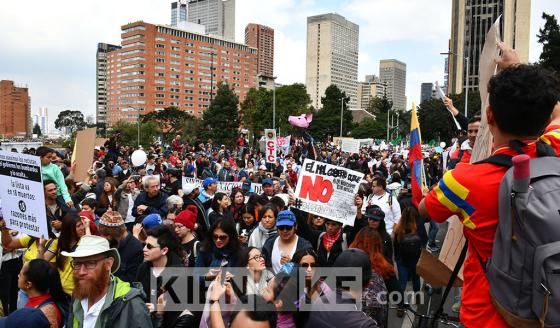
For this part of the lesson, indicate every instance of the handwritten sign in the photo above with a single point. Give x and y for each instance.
(351, 146)
(23, 198)
(328, 191)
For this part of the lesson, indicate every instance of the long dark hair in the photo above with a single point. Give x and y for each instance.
(228, 227)
(45, 279)
(243, 258)
(68, 238)
(215, 205)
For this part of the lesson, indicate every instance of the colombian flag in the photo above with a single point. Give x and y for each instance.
(415, 161)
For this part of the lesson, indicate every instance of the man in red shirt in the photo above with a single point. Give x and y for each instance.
(524, 103)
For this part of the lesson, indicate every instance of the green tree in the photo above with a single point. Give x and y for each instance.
(221, 119)
(549, 37)
(37, 130)
(70, 121)
(369, 128)
(170, 121)
(326, 122)
(291, 100)
(129, 132)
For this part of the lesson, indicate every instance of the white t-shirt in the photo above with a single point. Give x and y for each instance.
(276, 255)
(392, 213)
(91, 315)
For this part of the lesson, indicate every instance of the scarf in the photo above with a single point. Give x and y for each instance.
(260, 235)
(329, 241)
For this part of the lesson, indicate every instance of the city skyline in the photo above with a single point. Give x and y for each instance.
(58, 48)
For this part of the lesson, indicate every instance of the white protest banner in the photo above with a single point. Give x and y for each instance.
(328, 191)
(257, 188)
(351, 146)
(284, 144)
(23, 202)
(225, 187)
(270, 145)
(441, 96)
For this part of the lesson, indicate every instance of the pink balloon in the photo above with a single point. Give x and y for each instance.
(301, 121)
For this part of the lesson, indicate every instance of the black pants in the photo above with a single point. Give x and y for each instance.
(9, 278)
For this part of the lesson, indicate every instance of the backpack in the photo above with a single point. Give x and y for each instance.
(410, 247)
(524, 270)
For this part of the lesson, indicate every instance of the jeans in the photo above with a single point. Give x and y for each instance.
(408, 271)
(434, 228)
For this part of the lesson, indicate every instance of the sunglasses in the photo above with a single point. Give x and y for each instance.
(307, 265)
(150, 246)
(221, 237)
(284, 228)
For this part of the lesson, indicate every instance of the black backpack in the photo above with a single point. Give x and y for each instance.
(410, 247)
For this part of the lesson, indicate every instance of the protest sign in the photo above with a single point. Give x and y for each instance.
(328, 191)
(257, 188)
(453, 244)
(82, 156)
(284, 144)
(351, 146)
(225, 187)
(441, 96)
(23, 202)
(270, 145)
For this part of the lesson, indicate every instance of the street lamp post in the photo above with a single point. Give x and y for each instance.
(274, 103)
(467, 79)
(341, 112)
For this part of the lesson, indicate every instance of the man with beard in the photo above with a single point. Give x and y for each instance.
(112, 228)
(100, 298)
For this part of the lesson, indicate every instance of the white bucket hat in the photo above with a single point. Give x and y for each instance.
(93, 245)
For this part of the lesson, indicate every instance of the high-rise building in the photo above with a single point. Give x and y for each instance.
(101, 81)
(470, 21)
(43, 119)
(160, 66)
(15, 110)
(218, 16)
(392, 73)
(262, 38)
(369, 89)
(332, 57)
(178, 12)
(426, 91)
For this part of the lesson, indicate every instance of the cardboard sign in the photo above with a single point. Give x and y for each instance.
(284, 144)
(351, 146)
(453, 244)
(23, 197)
(328, 191)
(82, 156)
(270, 145)
(225, 187)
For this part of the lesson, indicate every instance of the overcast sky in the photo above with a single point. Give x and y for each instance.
(51, 45)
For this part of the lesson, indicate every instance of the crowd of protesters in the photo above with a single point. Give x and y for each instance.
(114, 234)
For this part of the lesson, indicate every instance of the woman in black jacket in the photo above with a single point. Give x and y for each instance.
(331, 242)
(160, 253)
(376, 220)
(220, 208)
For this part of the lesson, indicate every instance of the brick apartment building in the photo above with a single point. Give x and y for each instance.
(15, 110)
(262, 38)
(160, 66)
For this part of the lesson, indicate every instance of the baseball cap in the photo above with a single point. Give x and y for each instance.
(267, 181)
(151, 221)
(188, 188)
(25, 317)
(208, 181)
(286, 218)
(355, 258)
(374, 212)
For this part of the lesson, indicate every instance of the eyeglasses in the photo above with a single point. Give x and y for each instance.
(221, 237)
(259, 257)
(307, 265)
(150, 246)
(90, 265)
(284, 228)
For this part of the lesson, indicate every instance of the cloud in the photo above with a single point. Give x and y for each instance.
(414, 80)
(396, 20)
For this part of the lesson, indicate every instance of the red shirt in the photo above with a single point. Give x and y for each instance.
(471, 192)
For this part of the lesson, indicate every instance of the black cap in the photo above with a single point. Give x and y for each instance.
(374, 212)
(355, 258)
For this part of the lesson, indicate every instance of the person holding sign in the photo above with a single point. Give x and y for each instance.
(523, 102)
(53, 172)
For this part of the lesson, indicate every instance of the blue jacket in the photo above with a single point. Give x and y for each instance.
(157, 205)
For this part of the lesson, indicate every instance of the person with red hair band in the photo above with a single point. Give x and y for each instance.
(185, 225)
(383, 276)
